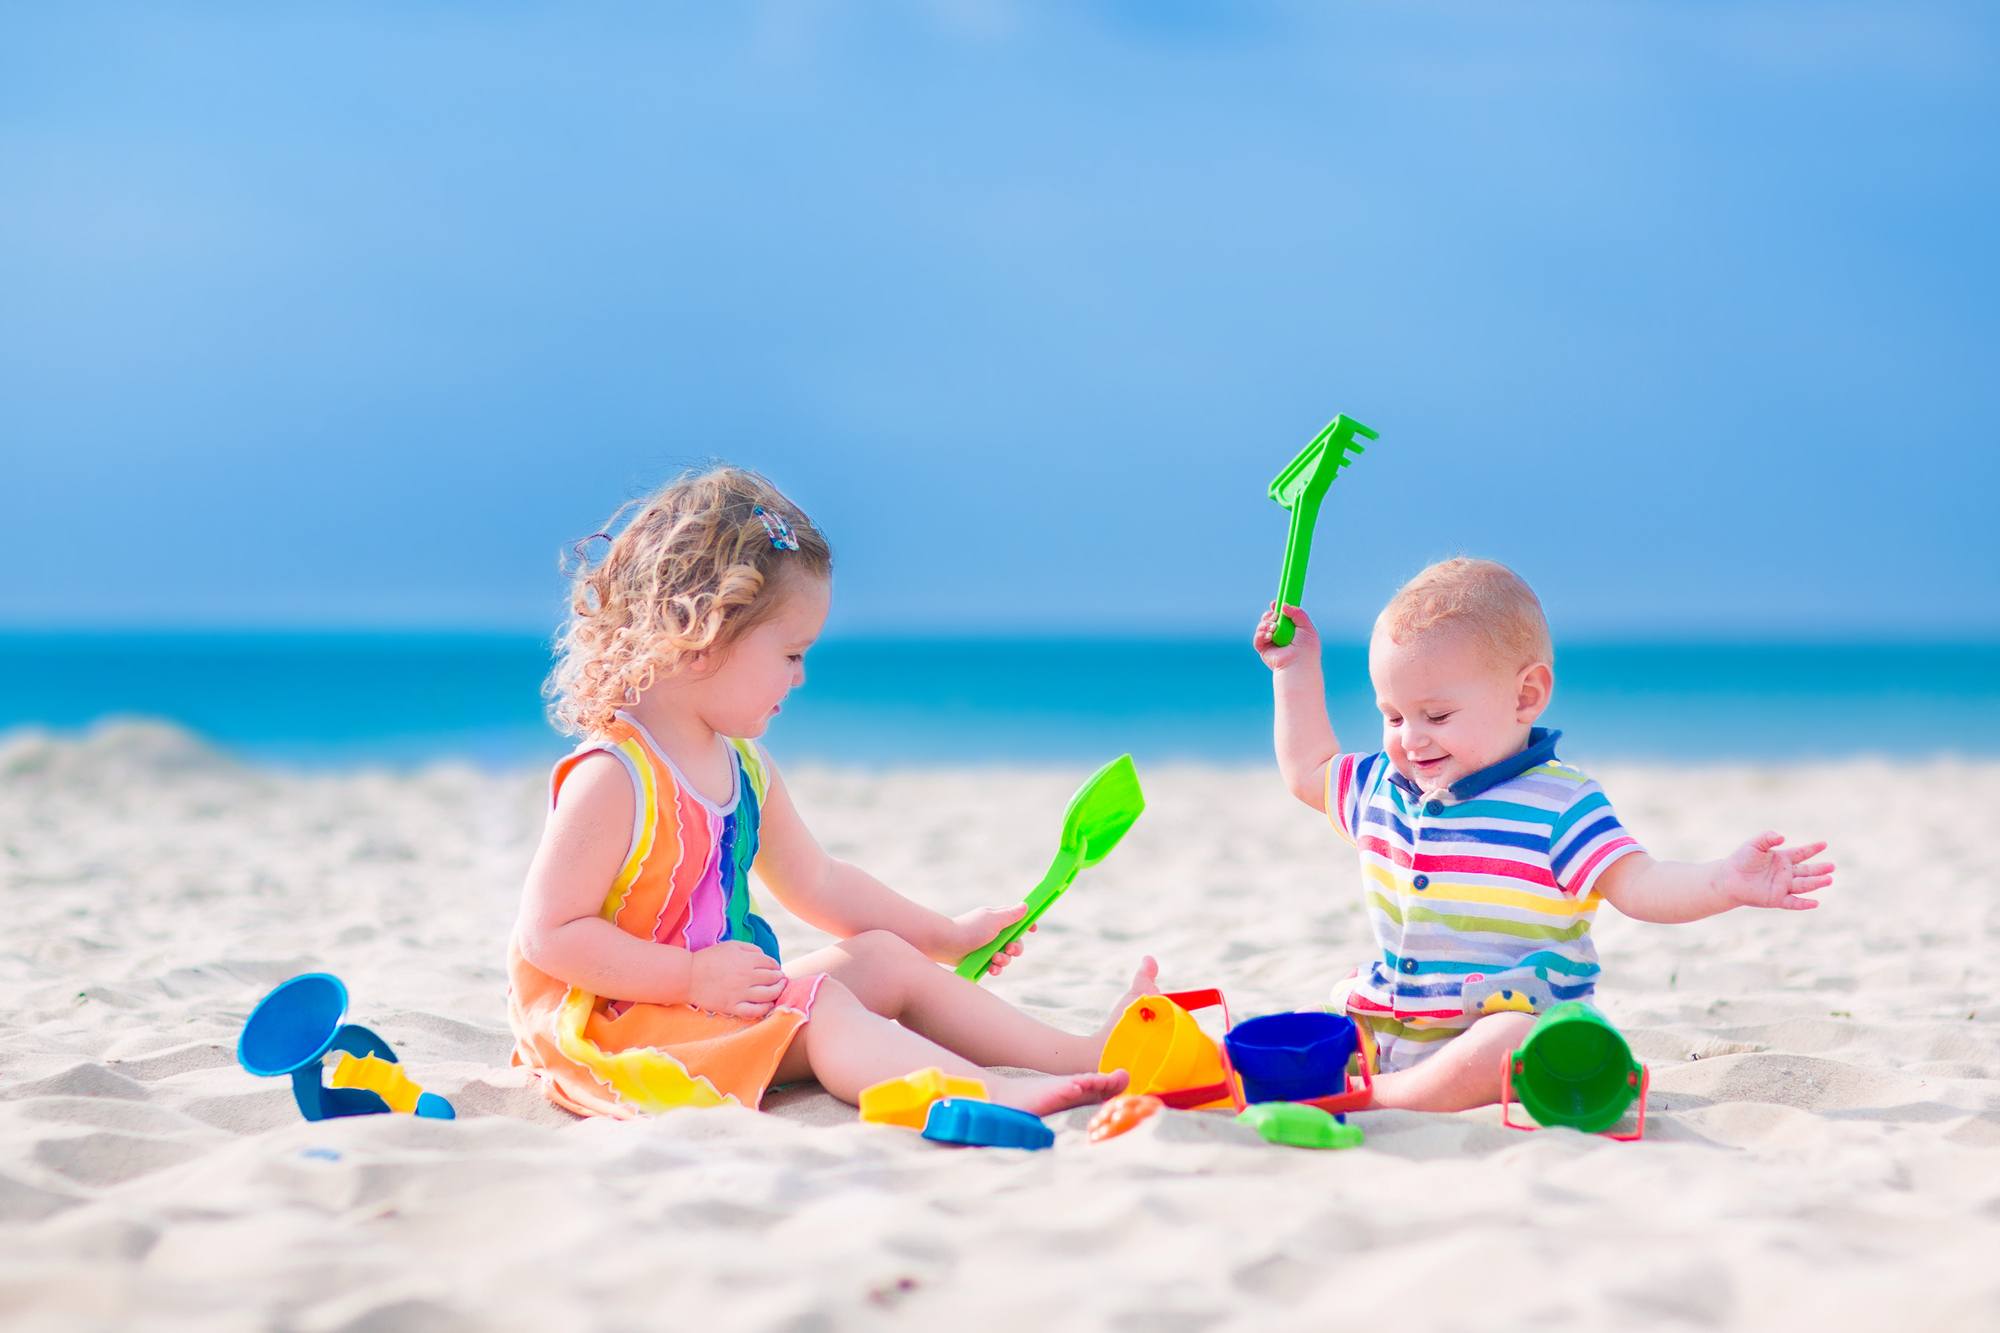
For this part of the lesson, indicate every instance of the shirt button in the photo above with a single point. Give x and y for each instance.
(1421, 882)
(1408, 965)
(1434, 807)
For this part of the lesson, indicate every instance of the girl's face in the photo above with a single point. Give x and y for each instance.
(749, 682)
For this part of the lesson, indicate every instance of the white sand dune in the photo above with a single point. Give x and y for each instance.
(1823, 1153)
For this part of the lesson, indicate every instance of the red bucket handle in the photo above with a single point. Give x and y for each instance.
(1207, 998)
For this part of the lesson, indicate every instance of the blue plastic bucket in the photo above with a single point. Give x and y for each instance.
(1292, 1057)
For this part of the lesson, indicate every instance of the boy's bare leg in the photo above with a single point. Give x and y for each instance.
(848, 1047)
(1465, 1074)
(887, 974)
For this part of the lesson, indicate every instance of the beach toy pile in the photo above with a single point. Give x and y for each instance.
(1294, 1076)
(299, 1024)
(1291, 1077)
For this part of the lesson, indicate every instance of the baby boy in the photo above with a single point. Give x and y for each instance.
(1483, 856)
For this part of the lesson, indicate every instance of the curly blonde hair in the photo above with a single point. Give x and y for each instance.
(693, 570)
(1482, 596)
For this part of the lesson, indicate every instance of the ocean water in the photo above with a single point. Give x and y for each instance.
(319, 699)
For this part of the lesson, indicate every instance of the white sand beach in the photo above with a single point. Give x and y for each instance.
(1823, 1150)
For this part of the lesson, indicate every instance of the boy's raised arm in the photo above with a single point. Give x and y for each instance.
(1301, 730)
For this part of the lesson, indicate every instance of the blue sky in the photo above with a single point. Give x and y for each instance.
(356, 316)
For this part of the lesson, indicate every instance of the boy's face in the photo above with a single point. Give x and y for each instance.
(1448, 708)
(742, 695)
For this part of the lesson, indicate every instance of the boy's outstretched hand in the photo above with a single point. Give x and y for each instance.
(1765, 873)
(1304, 644)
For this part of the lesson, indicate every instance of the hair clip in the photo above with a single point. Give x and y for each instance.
(782, 536)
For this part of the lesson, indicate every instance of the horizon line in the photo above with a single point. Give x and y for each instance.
(1713, 634)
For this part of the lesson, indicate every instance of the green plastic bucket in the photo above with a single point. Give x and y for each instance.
(1575, 1070)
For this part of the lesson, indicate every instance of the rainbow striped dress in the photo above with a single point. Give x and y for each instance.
(684, 882)
(1481, 898)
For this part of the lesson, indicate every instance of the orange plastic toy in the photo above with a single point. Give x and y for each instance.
(1123, 1114)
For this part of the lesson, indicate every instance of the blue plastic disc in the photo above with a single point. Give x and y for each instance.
(293, 1025)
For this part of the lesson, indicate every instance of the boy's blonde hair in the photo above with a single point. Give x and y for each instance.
(1482, 596)
(693, 571)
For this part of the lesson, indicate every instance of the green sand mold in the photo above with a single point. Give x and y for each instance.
(1299, 489)
(1297, 1125)
(1103, 808)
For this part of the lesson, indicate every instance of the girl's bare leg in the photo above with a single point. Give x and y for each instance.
(848, 1047)
(1465, 1074)
(887, 974)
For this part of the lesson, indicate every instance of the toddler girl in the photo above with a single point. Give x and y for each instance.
(640, 980)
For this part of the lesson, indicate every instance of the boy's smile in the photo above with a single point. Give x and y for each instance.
(1449, 707)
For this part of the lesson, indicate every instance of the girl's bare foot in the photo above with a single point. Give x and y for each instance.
(1146, 981)
(1058, 1092)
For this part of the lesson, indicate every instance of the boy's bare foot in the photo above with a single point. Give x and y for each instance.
(1048, 1094)
(1146, 981)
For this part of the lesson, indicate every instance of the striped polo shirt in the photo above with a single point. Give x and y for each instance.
(1481, 897)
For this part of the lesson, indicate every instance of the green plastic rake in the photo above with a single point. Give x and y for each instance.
(1300, 488)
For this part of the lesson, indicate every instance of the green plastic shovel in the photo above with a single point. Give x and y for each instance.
(1300, 488)
(1098, 815)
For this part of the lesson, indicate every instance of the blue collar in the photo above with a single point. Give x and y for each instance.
(1541, 748)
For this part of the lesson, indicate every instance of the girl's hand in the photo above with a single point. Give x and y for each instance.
(1758, 874)
(972, 929)
(735, 978)
(1303, 647)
